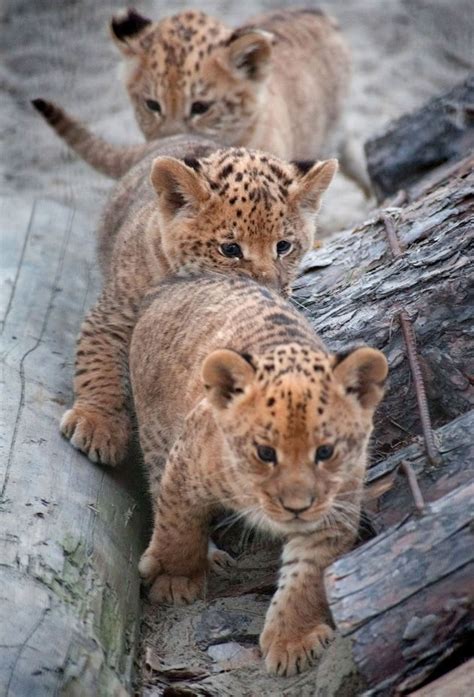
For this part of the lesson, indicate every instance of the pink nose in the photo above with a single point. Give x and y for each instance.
(293, 507)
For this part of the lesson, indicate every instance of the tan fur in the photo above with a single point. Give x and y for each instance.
(278, 84)
(178, 224)
(236, 368)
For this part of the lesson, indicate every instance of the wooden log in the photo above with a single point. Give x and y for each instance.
(438, 134)
(406, 598)
(70, 532)
(353, 290)
(456, 683)
(456, 445)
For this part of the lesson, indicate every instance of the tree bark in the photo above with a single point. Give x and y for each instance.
(406, 598)
(436, 135)
(353, 290)
(70, 531)
(456, 446)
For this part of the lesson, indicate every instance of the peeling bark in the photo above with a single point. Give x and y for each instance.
(405, 599)
(353, 290)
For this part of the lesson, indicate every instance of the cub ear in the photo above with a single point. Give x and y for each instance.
(308, 189)
(179, 186)
(225, 374)
(248, 53)
(127, 28)
(362, 372)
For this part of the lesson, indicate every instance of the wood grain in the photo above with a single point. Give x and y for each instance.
(70, 532)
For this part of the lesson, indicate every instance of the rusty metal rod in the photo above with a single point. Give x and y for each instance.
(391, 235)
(420, 392)
(409, 473)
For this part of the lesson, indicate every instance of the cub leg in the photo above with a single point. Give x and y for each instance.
(98, 423)
(296, 627)
(176, 560)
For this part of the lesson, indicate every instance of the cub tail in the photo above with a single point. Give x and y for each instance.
(112, 160)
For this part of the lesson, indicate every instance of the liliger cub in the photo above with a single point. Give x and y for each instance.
(278, 84)
(241, 406)
(235, 211)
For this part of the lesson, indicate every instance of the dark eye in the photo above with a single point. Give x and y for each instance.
(153, 105)
(266, 454)
(200, 107)
(231, 249)
(283, 247)
(324, 452)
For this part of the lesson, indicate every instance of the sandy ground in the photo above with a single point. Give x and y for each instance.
(404, 52)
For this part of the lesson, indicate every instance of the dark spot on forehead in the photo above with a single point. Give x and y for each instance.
(225, 171)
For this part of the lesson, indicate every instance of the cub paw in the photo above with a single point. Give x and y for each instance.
(102, 438)
(286, 656)
(219, 561)
(177, 590)
(148, 567)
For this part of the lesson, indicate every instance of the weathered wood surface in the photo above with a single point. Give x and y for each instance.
(353, 290)
(436, 135)
(406, 599)
(455, 443)
(456, 683)
(70, 532)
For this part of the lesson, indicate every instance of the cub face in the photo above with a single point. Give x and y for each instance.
(238, 211)
(190, 74)
(296, 423)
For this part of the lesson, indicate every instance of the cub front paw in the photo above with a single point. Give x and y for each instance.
(149, 567)
(101, 437)
(290, 655)
(177, 590)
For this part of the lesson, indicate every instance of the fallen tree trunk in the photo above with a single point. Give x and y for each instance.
(353, 290)
(436, 135)
(456, 682)
(70, 531)
(456, 446)
(406, 598)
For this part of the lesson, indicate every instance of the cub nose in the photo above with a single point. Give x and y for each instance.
(291, 506)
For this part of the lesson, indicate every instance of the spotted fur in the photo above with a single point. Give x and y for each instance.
(278, 84)
(237, 369)
(176, 221)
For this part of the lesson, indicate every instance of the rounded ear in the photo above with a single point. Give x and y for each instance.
(179, 186)
(248, 53)
(225, 374)
(127, 28)
(307, 190)
(362, 372)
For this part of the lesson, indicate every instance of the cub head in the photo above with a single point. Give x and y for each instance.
(239, 211)
(296, 423)
(191, 74)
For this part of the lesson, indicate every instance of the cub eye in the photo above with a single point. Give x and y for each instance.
(266, 453)
(153, 105)
(324, 452)
(231, 249)
(283, 247)
(200, 108)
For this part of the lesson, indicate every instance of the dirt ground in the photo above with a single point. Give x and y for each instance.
(405, 51)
